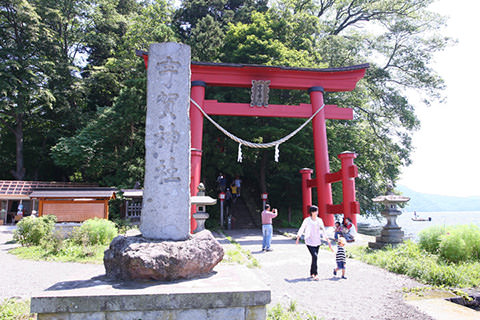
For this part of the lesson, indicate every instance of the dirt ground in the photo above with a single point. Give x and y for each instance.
(367, 293)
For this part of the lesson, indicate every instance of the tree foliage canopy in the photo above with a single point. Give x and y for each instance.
(72, 91)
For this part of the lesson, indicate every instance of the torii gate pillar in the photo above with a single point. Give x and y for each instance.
(196, 127)
(322, 166)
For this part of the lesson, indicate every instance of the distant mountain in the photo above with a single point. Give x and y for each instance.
(423, 202)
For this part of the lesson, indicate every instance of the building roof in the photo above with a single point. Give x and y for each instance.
(280, 77)
(15, 189)
(132, 193)
(72, 193)
(141, 53)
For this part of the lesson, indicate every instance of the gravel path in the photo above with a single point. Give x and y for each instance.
(25, 278)
(368, 293)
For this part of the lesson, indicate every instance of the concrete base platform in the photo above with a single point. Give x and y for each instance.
(441, 309)
(230, 292)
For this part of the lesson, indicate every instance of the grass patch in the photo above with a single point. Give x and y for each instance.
(454, 243)
(40, 240)
(69, 252)
(239, 255)
(431, 269)
(279, 312)
(13, 309)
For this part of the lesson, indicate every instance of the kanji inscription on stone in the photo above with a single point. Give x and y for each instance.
(166, 195)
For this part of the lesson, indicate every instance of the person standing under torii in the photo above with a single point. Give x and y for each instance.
(267, 228)
(221, 182)
(314, 231)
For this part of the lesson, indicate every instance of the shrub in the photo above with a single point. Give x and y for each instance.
(95, 231)
(430, 238)
(279, 312)
(123, 225)
(13, 309)
(31, 230)
(429, 268)
(461, 243)
(471, 235)
(53, 242)
(453, 248)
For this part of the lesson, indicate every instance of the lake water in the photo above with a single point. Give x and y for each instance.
(412, 228)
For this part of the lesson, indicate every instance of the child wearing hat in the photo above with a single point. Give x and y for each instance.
(340, 257)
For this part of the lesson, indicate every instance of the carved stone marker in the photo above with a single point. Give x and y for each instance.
(166, 199)
(165, 250)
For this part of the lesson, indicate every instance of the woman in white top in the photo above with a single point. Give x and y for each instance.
(314, 233)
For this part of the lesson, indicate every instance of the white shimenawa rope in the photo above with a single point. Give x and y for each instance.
(241, 142)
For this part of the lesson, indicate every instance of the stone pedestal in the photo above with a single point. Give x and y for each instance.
(138, 258)
(200, 217)
(232, 292)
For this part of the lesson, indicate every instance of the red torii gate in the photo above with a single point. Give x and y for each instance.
(316, 82)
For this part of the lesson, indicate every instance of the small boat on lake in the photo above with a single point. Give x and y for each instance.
(417, 218)
(422, 219)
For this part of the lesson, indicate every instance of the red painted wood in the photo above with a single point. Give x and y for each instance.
(339, 79)
(355, 205)
(322, 166)
(334, 177)
(335, 209)
(348, 185)
(281, 78)
(235, 75)
(312, 183)
(306, 191)
(353, 171)
(196, 128)
(303, 110)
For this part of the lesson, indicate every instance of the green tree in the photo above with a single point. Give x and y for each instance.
(202, 24)
(266, 40)
(63, 45)
(109, 149)
(397, 38)
(109, 23)
(42, 95)
(24, 77)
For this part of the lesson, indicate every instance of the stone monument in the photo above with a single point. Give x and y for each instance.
(165, 250)
(166, 198)
(391, 233)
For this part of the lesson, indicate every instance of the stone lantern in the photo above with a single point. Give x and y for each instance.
(201, 201)
(391, 233)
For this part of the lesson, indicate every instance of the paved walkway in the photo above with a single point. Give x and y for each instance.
(367, 293)
(26, 278)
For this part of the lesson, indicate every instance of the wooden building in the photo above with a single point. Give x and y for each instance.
(132, 205)
(69, 201)
(74, 205)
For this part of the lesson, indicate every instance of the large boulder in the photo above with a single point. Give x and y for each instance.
(139, 258)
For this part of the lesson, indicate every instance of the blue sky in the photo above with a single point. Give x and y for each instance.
(447, 156)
